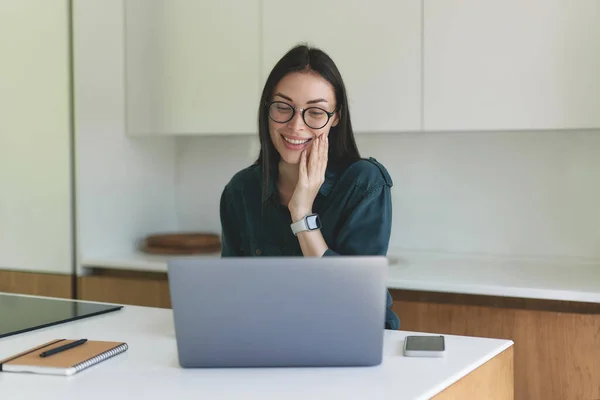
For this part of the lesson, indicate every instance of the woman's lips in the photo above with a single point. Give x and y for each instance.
(295, 143)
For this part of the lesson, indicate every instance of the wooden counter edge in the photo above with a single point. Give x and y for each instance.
(493, 380)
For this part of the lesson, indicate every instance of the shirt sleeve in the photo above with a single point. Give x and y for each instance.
(368, 227)
(367, 231)
(230, 238)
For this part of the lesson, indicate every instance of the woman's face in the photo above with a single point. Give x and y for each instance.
(289, 132)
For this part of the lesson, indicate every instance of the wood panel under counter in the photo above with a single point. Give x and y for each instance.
(36, 283)
(557, 343)
(494, 380)
(139, 288)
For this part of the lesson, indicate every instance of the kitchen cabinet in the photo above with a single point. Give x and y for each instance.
(376, 46)
(125, 287)
(37, 284)
(35, 138)
(511, 65)
(556, 342)
(409, 65)
(192, 67)
(195, 67)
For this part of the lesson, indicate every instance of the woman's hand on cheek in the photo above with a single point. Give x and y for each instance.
(311, 176)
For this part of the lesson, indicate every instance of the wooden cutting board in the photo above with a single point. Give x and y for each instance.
(182, 243)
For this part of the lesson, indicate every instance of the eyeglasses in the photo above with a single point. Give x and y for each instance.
(314, 117)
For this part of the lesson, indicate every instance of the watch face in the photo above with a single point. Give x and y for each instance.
(313, 222)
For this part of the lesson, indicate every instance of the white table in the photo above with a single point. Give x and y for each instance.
(150, 369)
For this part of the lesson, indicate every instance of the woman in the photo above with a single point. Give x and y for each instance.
(309, 193)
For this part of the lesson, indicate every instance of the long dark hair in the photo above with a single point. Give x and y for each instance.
(342, 146)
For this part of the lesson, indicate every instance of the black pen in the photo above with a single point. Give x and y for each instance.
(63, 348)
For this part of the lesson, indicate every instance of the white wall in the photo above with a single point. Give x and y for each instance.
(204, 166)
(35, 199)
(125, 187)
(494, 193)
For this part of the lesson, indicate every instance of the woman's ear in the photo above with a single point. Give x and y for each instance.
(336, 119)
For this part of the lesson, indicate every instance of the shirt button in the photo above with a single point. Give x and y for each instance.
(258, 252)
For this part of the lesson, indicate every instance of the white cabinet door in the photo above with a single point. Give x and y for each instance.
(35, 145)
(192, 67)
(511, 64)
(375, 44)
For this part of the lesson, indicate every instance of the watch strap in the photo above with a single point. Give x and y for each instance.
(299, 226)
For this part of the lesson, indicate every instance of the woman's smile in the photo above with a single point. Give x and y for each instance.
(295, 143)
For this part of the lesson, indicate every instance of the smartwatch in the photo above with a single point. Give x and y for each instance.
(309, 223)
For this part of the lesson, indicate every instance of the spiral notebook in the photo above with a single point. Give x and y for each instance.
(67, 362)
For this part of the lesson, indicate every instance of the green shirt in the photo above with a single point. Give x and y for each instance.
(354, 206)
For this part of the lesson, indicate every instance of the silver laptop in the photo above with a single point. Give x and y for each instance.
(279, 311)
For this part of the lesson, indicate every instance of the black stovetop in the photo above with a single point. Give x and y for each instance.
(20, 314)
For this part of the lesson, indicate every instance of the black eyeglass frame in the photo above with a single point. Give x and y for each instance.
(268, 104)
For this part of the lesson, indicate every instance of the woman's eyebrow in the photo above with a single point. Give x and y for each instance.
(319, 100)
(284, 96)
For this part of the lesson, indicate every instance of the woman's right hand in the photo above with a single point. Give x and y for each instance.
(311, 176)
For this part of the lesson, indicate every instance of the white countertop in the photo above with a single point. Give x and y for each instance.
(551, 279)
(150, 369)
(537, 278)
